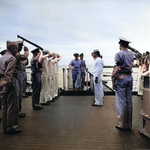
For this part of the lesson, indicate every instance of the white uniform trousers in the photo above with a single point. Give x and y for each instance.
(55, 84)
(98, 92)
(51, 87)
(44, 89)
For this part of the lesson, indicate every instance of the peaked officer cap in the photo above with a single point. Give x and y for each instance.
(35, 50)
(123, 40)
(81, 54)
(75, 54)
(3, 52)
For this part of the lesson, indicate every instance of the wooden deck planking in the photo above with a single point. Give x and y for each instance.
(71, 123)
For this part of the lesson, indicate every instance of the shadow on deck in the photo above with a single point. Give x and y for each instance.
(71, 123)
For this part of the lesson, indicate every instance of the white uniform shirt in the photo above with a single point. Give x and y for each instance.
(45, 66)
(98, 67)
(50, 65)
(55, 65)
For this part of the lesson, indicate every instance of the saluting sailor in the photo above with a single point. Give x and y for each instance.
(97, 78)
(20, 71)
(36, 68)
(51, 79)
(123, 84)
(44, 84)
(55, 60)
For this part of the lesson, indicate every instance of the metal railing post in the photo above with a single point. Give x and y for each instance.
(86, 80)
(64, 78)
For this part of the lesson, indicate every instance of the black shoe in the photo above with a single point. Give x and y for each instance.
(41, 107)
(52, 100)
(95, 105)
(55, 98)
(25, 96)
(14, 130)
(47, 103)
(122, 128)
(22, 115)
(37, 108)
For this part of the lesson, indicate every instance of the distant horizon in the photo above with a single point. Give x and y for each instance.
(77, 26)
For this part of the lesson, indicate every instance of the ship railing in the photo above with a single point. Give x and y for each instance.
(68, 81)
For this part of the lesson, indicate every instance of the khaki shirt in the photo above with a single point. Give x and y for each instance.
(7, 66)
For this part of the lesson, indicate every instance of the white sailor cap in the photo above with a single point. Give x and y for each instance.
(123, 40)
(95, 50)
(45, 51)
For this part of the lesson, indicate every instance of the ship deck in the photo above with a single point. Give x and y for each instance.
(71, 123)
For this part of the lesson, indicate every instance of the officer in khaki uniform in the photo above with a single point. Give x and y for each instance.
(2, 53)
(20, 71)
(8, 89)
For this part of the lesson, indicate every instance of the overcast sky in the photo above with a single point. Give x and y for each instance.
(70, 26)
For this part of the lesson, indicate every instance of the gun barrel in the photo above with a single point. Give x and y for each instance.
(29, 42)
(134, 50)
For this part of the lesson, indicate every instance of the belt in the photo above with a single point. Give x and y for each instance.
(123, 76)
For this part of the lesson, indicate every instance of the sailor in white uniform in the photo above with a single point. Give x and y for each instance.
(50, 79)
(55, 60)
(44, 84)
(97, 78)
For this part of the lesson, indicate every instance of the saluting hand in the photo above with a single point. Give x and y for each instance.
(26, 49)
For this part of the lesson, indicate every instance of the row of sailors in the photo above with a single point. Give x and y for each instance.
(44, 78)
(13, 82)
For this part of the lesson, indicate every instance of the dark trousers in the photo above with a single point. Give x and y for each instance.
(20, 81)
(24, 82)
(36, 88)
(82, 78)
(10, 105)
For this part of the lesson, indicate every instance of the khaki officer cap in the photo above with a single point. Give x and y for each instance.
(19, 42)
(12, 43)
